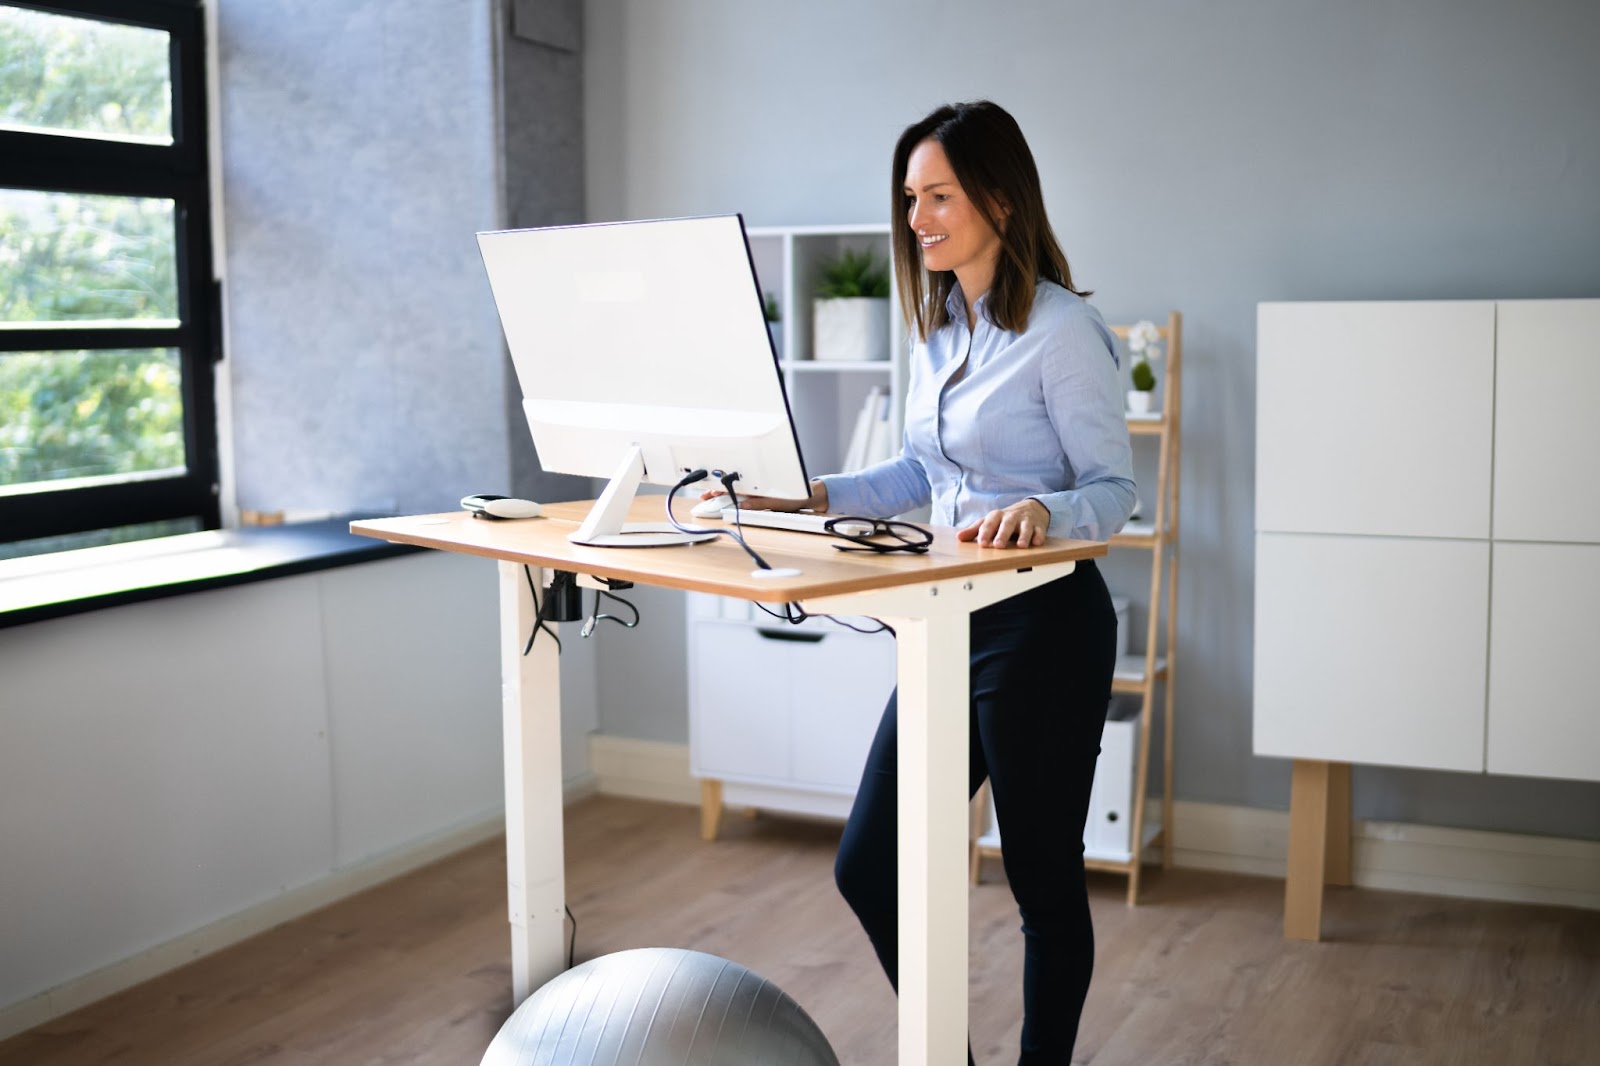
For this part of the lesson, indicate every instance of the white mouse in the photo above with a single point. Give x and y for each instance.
(500, 506)
(711, 508)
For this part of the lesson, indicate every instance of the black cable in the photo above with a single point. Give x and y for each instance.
(689, 479)
(538, 621)
(595, 617)
(883, 627)
(572, 945)
(793, 613)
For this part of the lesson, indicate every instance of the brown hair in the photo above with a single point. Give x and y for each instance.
(992, 162)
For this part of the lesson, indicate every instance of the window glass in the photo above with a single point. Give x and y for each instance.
(69, 257)
(60, 74)
(113, 415)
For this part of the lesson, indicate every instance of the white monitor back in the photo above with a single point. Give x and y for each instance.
(647, 334)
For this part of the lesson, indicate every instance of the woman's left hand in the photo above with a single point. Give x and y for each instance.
(1022, 525)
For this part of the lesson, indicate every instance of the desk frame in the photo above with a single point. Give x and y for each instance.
(930, 615)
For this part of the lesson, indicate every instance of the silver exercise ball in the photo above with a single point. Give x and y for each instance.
(659, 1007)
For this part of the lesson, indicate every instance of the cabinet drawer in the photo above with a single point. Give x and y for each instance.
(1343, 443)
(1546, 436)
(1544, 709)
(840, 687)
(784, 705)
(1371, 650)
(739, 703)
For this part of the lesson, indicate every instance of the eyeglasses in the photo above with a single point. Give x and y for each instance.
(904, 537)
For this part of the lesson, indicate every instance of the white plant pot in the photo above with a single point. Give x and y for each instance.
(852, 330)
(1139, 402)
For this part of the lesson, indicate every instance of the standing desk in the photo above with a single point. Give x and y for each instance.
(926, 598)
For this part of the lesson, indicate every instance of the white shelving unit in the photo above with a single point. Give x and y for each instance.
(824, 396)
(780, 716)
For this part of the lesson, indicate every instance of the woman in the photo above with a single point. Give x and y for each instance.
(1014, 431)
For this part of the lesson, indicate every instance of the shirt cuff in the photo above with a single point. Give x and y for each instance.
(844, 493)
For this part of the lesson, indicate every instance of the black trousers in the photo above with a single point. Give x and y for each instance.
(1041, 681)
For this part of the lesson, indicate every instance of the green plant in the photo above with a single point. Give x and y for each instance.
(853, 274)
(1144, 379)
(1144, 343)
(769, 307)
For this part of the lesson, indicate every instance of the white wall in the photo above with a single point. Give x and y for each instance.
(169, 764)
(1202, 157)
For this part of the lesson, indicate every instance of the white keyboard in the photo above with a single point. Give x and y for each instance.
(799, 521)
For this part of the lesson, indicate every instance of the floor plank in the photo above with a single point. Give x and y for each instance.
(418, 970)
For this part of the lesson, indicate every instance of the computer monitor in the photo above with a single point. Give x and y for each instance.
(643, 354)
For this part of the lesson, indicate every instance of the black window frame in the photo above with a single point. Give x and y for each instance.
(180, 172)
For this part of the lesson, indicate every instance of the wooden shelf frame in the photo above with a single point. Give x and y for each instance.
(1157, 666)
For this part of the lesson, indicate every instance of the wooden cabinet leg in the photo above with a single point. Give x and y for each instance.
(1308, 851)
(710, 808)
(1338, 853)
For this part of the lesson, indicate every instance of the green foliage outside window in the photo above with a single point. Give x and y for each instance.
(88, 414)
(69, 259)
(83, 76)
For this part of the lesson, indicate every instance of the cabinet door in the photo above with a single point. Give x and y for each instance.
(1547, 435)
(1374, 418)
(1371, 649)
(738, 704)
(841, 686)
(1544, 706)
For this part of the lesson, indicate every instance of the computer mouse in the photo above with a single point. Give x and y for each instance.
(488, 505)
(711, 508)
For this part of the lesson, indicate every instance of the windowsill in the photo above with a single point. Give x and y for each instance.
(73, 582)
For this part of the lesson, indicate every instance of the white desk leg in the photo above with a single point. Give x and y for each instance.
(933, 677)
(535, 861)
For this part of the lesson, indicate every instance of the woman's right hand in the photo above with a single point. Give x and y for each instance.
(817, 501)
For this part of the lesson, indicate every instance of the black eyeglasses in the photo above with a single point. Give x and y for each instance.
(903, 536)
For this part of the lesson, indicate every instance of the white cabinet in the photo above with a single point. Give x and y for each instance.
(1371, 649)
(1416, 464)
(1374, 418)
(783, 715)
(1546, 427)
(1544, 701)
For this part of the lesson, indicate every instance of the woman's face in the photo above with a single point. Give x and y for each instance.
(950, 229)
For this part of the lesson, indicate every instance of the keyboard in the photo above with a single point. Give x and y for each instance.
(799, 521)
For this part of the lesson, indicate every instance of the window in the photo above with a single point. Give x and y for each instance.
(108, 321)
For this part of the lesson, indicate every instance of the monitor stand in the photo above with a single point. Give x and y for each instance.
(604, 527)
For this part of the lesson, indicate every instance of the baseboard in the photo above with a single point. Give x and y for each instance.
(643, 769)
(1394, 856)
(1401, 857)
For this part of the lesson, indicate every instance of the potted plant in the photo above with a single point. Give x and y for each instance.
(769, 308)
(1144, 345)
(850, 315)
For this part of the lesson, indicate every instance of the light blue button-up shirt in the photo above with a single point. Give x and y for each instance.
(1037, 413)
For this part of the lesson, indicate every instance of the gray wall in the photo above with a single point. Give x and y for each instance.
(359, 157)
(1199, 157)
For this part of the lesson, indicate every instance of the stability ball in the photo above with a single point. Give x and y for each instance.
(659, 1007)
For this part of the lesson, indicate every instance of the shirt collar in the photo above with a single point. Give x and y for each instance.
(955, 304)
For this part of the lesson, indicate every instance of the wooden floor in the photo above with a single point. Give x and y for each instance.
(417, 970)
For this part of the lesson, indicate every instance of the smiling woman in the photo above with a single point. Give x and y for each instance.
(1014, 431)
(107, 324)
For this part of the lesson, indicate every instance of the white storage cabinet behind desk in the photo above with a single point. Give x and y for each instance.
(781, 716)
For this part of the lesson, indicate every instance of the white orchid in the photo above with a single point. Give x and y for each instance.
(1144, 340)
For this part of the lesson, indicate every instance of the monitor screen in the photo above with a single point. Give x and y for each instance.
(647, 338)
